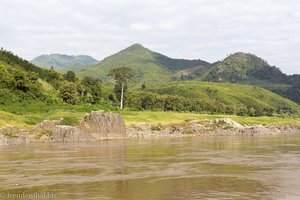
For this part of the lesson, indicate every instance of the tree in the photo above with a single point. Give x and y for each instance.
(143, 86)
(69, 93)
(70, 76)
(121, 76)
(92, 89)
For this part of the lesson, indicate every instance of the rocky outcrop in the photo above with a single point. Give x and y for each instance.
(12, 135)
(100, 125)
(48, 125)
(207, 127)
(229, 122)
(97, 125)
(103, 125)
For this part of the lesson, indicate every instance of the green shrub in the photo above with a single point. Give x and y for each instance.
(70, 121)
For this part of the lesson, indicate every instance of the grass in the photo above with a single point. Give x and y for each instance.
(135, 117)
(72, 114)
(28, 115)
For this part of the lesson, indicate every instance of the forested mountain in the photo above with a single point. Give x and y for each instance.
(63, 63)
(148, 66)
(250, 69)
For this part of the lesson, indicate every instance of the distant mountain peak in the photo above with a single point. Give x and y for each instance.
(64, 62)
(136, 47)
(247, 57)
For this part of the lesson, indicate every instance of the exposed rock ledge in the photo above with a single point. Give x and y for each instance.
(100, 125)
(97, 125)
(208, 127)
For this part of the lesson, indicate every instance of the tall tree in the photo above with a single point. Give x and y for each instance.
(92, 88)
(121, 76)
(70, 76)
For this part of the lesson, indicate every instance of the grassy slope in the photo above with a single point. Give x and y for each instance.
(27, 120)
(148, 66)
(230, 94)
(135, 117)
(146, 69)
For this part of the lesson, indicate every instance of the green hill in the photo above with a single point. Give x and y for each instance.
(63, 63)
(228, 94)
(151, 67)
(250, 69)
(148, 66)
(21, 81)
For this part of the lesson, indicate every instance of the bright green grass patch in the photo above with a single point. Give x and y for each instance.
(135, 117)
(11, 119)
(132, 117)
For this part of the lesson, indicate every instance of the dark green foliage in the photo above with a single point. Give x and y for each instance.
(70, 76)
(239, 67)
(177, 64)
(21, 81)
(69, 93)
(121, 75)
(12, 60)
(218, 98)
(143, 86)
(53, 77)
(292, 93)
(92, 89)
(70, 121)
(117, 91)
(151, 101)
(17, 84)
(250, 69)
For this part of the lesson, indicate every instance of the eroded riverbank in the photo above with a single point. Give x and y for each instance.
(99, 125)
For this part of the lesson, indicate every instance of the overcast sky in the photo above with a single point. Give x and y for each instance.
(204, 29)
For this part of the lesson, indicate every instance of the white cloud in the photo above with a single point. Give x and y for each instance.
(206, 29)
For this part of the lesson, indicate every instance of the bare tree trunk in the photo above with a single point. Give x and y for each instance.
(122, 96)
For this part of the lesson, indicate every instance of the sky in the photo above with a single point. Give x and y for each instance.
(193, 29)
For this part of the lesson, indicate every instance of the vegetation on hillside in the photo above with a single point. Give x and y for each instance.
(29, 94)
(151, 67)
(212, 98)
(148, 66)
(241, 67)
(21, 81)
(250, 69)
(121, 75)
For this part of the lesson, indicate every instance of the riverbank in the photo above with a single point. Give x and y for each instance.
(100, 125)
(218, 127)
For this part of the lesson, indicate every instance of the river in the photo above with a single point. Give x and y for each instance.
(260, 167)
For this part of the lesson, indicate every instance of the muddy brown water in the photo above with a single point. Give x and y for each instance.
(260, 167)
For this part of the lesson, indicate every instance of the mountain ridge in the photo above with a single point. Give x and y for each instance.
(149, 66)
(64, 62)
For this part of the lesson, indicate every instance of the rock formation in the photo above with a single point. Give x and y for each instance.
(97, 125)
